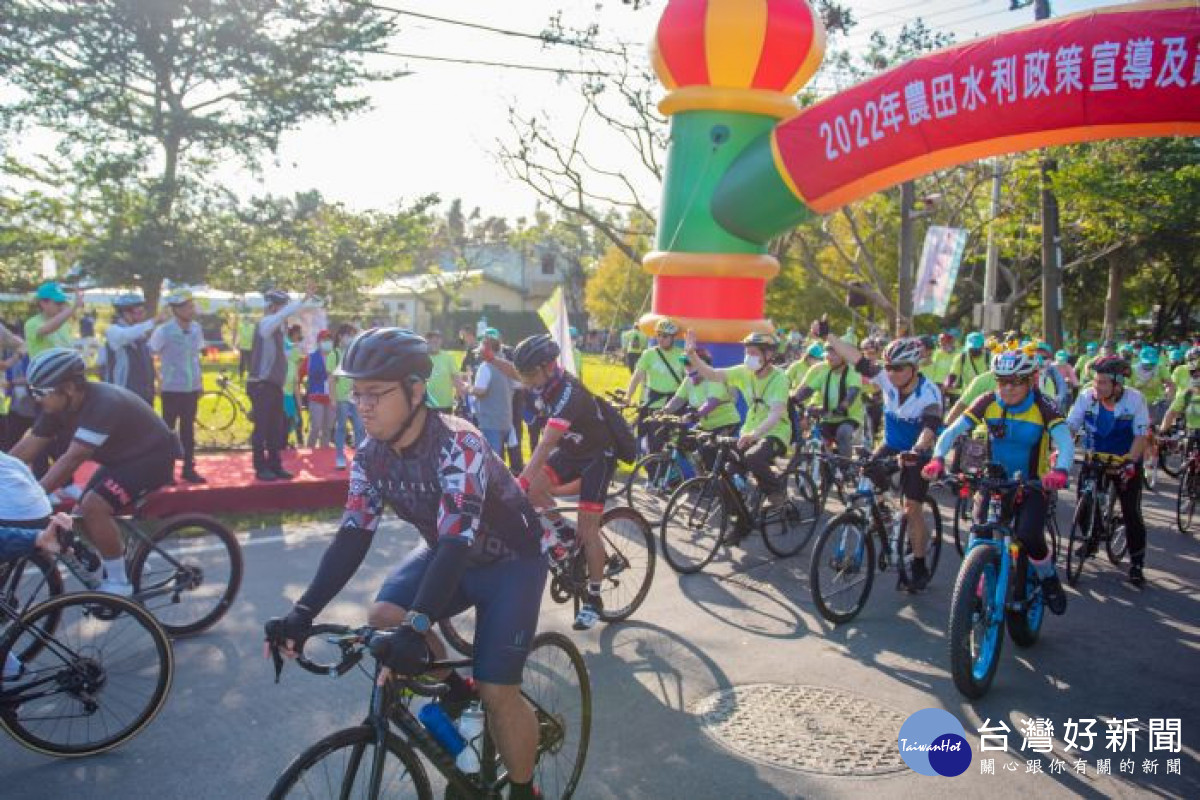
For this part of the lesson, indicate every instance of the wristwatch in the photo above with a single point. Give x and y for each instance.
(417, 621)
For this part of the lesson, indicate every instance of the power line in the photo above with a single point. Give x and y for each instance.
(466, 61)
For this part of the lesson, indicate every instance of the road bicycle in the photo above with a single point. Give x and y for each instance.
(656, 475)
(222, 416)
(382, 757)
(1097, 515)
(1188, 492)
(824, 473)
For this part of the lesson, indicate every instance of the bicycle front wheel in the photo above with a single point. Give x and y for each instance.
(842, 568)
(787, 530)
(1116, 544)
(1185, 500)
(650, 484)
(188, 573)
(459, 631)
(555, 682)
(694, 524)
(100, 675)
(629, 566)
(976, 633)
(1079, 540)
(215, 412)
(339, 766)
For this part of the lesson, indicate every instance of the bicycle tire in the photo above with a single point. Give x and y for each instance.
(933, 547)
(120, 615)
(962, 514)
(627, 545)
(459, 631)
(694, 524)
(1053, 533)
(1024, 627)
(27, 582)
(358, 742)
(650, 484)
(1166, 462)
(555, 728)
(1116, 542)
(786, 532)
(849, 523)
(150, 569)
(1078, 539)
(973, 680)
(1185, 500)
(216, 412)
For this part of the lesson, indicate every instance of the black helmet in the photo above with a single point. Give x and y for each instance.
(1114, 366)
(51, 368)
(535, 351)
(386, 354)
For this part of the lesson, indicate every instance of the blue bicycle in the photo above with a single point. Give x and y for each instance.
(997, 586)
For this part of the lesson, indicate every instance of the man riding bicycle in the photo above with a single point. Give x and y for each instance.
(710, 403)
(659, 368)
(840, 406)
(1021, 422)
(1117, 421)
(480, 540)
(576, 449)
(912, 415)
(109, 425)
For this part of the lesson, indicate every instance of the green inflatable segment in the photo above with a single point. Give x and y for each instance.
(703, 145)
(752, 201)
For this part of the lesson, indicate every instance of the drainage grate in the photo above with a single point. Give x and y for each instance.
(805, 728)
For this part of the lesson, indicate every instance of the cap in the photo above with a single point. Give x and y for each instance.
(50, 290)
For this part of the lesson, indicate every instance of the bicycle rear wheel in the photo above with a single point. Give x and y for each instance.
(1078, 542)
(650, 484)
(26, 582)
(1185, 500)
(340, 766)
(842, 569)
(786, 531)
(694, 524)
(976, 637)
(105, 670)
(1172, 458)
(555, 682)
(629, 568)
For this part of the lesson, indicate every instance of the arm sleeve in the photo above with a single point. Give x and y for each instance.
(1075, 418)
(931, 417)
(121, 335)
(341, 560)
(464, 484)
(1064, 444)
(16, 542)
(962, 425)
(868, 368)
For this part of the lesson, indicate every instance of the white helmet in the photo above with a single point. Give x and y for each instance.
(1013, 364)
(903, 351)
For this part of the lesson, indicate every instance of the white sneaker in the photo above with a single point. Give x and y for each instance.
(588, 616)
(341, 460)
(12, 667)
(119, 588)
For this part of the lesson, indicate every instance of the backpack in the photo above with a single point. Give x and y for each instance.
(625, 446)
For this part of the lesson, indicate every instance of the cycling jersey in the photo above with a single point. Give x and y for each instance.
(121, 426)
(1018, 436)
(759, 394)
(1149, 383)
(696, 395)
(448, 484)
(966, 368)
(567, 405)
(1187, 404)
(1110, 431)
(23, 499)
(827, 388)
(663, 373)
(983, 384)
(904, 417)
(1181, 377)
(938, 367)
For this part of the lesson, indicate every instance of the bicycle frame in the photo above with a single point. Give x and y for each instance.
(11, 698)
(131, 534)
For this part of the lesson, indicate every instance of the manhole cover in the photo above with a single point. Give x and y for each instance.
(806, 728)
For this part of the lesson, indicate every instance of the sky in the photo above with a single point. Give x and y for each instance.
(436, 130)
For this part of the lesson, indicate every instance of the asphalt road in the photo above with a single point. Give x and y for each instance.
(227, 731)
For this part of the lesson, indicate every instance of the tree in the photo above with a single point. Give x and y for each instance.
(618, 288)
(172, 87)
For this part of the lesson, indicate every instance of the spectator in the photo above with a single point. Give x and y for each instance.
(244, 338)
(48, 328)
(633, 343)
(346, 409)
(294, 345)
(494, 391)
(444, 384)
(178, 343)
(321, 411)
(127, 359)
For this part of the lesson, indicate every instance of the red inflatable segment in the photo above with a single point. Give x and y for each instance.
(711, 298)
(1121, 72)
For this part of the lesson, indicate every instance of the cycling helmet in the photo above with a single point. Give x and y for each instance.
(386, 354)
(764, 340)
(1013, 364)
(128, 301)
(975, 341)
(1149, 356)
(1092, 348)
(928, 341)
(51, 368)
(1178, 354)
(1062, 356)
(179, 297)
(903, 351)
(535, 351)
(815, 350)
(1114, 366)
(666, 327)
(277, 297)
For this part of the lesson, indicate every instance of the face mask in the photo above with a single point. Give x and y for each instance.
(326, 346)
(753, 363)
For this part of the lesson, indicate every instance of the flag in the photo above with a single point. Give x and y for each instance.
(554, 315)
(940, 260)
(49, 267)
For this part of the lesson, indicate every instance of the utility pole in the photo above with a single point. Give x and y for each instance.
(904, 290)
(1051, 258)
(992, 265)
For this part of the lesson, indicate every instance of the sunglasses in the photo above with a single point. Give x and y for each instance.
(38, 393)
(896, 367)
(1010, 381)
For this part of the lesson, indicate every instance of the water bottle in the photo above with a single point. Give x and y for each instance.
(441, 727)
(739, 481)
(558, 538)
(470, 728)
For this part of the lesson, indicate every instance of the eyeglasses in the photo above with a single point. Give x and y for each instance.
(1010, 381)
(370, 399)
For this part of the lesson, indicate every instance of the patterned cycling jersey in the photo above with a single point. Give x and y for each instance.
(448, 483)
(903, 417)
(570, 407)
(1110, 431)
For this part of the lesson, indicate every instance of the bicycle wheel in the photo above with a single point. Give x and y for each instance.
(1185, 500)
(555, 682)
(1078, 542)
(933, 542)
(1052, 531)
(188, 573)
(99, 678)
(650, 484)
(459, 631)
(694, 524)
(786, 531)
(961, 521)
(1025, 626)
(976, 636)
(340, 766)
(216, 411)
(1116, 545)
(26, 582)
(629, 568)
(842, 569)
(1172, 458)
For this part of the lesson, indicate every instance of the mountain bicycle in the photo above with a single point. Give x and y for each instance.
(381, 758)
(1097, 515)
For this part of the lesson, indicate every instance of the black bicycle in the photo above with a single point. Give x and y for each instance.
(1188, 493)
(1097, 516)
(381, 757)
(867, 536)
(657, 475)
(724, 507)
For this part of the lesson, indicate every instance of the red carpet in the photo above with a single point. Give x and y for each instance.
(232, 488)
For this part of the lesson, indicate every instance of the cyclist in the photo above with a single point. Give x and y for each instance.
(1116, 421)
(912, 416)
(967, 365)
(576, 447)
(127, 358)
(1188, 359)
(1021, 423)
(659, 369)
(1147, 379)
(935, 362)
(766, 431)
(840, 404)
(480, 540)
(1186, 404)
(1062, 362)
(710, 401)
(109, 425)
(872, 397)
(1090, 353)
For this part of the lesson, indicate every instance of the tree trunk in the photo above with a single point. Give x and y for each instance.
(1112, 302)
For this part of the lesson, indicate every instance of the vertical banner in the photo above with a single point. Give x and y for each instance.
(940, 259)
(49, 266)
(554, 314)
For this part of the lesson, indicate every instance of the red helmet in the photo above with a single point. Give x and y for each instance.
(1114, 366)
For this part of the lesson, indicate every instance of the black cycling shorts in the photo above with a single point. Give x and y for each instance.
(121, 485)
(912, 485)
(593, 473)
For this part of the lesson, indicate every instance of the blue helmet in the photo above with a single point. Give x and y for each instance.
(1149, 356)
(975, 340)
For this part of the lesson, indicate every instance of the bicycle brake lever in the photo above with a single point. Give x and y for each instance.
(276, 659)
